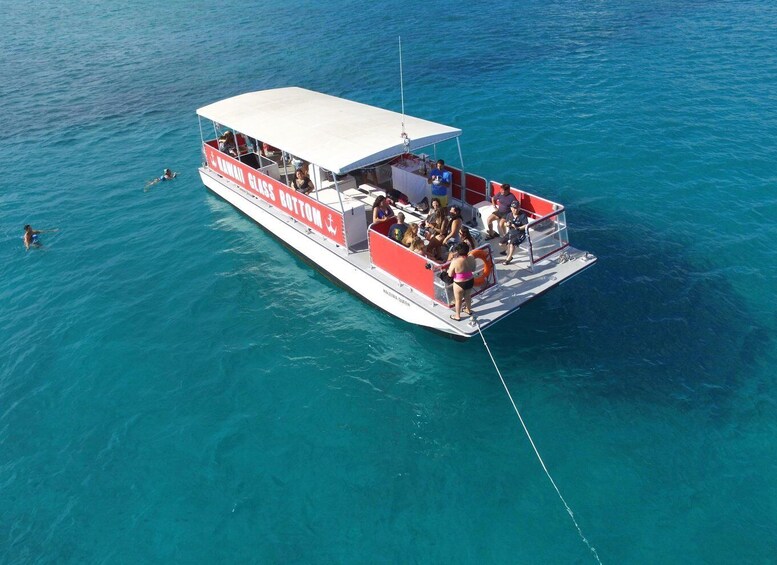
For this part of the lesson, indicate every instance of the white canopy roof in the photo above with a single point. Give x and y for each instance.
(336, 134)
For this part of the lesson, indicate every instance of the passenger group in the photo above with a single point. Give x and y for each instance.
(441, 236)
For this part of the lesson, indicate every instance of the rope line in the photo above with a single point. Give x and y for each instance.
(539, 457)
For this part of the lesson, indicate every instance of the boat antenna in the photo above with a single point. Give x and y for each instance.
(405, 139)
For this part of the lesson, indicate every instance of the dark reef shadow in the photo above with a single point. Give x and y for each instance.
(646, 320)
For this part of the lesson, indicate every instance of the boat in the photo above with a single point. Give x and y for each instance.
(354, 153)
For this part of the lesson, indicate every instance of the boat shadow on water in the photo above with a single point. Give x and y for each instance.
(647, 319)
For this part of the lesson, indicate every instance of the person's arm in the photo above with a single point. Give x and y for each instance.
(375, 215)
(454, 228)
(451, 269)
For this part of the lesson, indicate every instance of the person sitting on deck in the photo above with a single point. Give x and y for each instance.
(302, 182)
(448, 234)
(466, 237)
(454, 225)
(515, 222)
(440, 179)
(433, 223)
(381, 211)
(502, 202)
(410, 234)
(227, 144)
(397, 231)
(417, 246)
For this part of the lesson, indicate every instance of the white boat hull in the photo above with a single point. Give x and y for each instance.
(333, 260)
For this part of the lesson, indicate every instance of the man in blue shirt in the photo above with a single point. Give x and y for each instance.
(440, 179)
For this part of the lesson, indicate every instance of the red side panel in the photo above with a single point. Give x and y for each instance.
(476, 189)
(383, 227)
(399, 261)
(535, 205)
(456, 181)
(308, 211)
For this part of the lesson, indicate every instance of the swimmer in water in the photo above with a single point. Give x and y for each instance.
(31, 238)
(166, 175)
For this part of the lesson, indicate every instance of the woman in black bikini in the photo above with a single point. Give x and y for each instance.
(461, 271)
(302, 183)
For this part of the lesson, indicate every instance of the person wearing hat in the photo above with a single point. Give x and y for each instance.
(515, 222)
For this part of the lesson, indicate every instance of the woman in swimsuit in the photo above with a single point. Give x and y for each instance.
(454, 225)
(461, 271)
(417, 246)
(411, 234)
(302, 182)
(466, 237)
(381, 211)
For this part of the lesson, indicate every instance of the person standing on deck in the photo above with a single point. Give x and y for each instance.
(440, 179)
(381, 210)
(461, 270)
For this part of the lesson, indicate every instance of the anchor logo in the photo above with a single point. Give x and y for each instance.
(330, 226)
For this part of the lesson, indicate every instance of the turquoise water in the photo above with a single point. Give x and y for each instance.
(176, 386)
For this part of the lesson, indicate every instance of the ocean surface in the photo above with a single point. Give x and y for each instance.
(176, 386)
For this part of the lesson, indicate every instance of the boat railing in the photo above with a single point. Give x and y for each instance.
(467, 188)
(485, 275)
(534, 206)
(421, 273)
(547, 235)
(395, 259)
(319, 216)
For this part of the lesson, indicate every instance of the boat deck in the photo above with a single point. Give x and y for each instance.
(517, 283)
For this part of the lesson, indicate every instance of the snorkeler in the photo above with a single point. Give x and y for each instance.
(31, 238)
(166, 175)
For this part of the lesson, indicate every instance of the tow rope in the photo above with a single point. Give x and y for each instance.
(536, 451)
